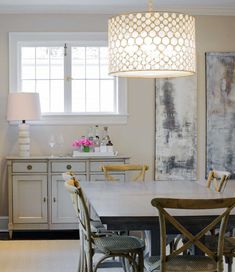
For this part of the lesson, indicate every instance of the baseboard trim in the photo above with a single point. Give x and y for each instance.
(3, 223)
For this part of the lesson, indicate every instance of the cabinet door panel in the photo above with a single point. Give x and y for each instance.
(30, 199)
(62, 208)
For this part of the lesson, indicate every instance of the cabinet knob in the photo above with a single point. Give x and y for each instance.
(54, 199)
(69, 166)
(29, 167)
(44, 199)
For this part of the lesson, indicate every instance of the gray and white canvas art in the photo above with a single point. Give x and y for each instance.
(220, 82)
(176, 150)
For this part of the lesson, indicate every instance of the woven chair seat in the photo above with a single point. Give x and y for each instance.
(118, 244)
(182, 263)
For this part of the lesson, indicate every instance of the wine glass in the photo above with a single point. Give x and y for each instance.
(52, 144)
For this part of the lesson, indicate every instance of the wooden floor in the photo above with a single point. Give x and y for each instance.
(41, 256)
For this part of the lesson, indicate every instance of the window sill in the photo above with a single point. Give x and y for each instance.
(79, 119)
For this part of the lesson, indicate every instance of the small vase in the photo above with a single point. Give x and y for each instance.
(86, 149)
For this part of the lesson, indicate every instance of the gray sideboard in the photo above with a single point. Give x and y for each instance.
(37, 199)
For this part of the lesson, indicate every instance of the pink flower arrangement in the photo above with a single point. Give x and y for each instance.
(82, 142)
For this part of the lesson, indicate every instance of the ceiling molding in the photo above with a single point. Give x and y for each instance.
(81, 9)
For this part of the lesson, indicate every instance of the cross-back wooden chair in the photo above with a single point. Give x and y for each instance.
(219, 179)
(174, 262)
(130, 248)
(141, 169)
(97, 228)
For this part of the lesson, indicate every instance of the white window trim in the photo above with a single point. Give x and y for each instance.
(100, 38)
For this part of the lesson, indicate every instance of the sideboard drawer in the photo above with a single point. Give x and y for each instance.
(30, 167)
(96, 166)
(68, 166)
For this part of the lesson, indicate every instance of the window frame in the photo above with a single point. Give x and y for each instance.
(18, 39)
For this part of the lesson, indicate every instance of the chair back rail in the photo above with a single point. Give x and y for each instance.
(125, 167)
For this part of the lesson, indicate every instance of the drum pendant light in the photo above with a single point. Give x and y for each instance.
(152, 44)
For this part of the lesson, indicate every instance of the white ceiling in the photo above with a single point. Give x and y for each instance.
(204, 7)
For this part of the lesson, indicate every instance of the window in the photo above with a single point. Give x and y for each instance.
(70, 73)
(93, 90)
(42, 70)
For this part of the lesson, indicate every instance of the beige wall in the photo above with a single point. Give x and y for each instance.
(136, 138)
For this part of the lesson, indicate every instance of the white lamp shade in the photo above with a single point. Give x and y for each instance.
(23, 106)
(152, 44)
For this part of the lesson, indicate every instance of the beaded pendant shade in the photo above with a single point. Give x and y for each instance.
(152, 44)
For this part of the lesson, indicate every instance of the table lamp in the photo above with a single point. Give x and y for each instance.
(23, 107)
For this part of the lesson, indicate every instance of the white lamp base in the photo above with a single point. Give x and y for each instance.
(24, 140)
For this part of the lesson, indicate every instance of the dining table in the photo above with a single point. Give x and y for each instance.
(127, 205)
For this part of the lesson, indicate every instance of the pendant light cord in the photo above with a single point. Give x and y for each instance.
(150, 5)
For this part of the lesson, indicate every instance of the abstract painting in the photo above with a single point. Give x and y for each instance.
(220, 87)
(176, 138)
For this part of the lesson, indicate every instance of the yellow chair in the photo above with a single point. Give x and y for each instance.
(219, 179)
(123, 168)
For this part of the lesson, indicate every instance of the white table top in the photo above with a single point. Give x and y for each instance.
(133, 199)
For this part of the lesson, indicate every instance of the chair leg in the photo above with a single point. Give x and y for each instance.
(89, 264)
(137, 262)
(124, 264)
(84, 267)
(147, 239)
(132, 263)
(229, 261)
(141, 261)
(81, 265)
